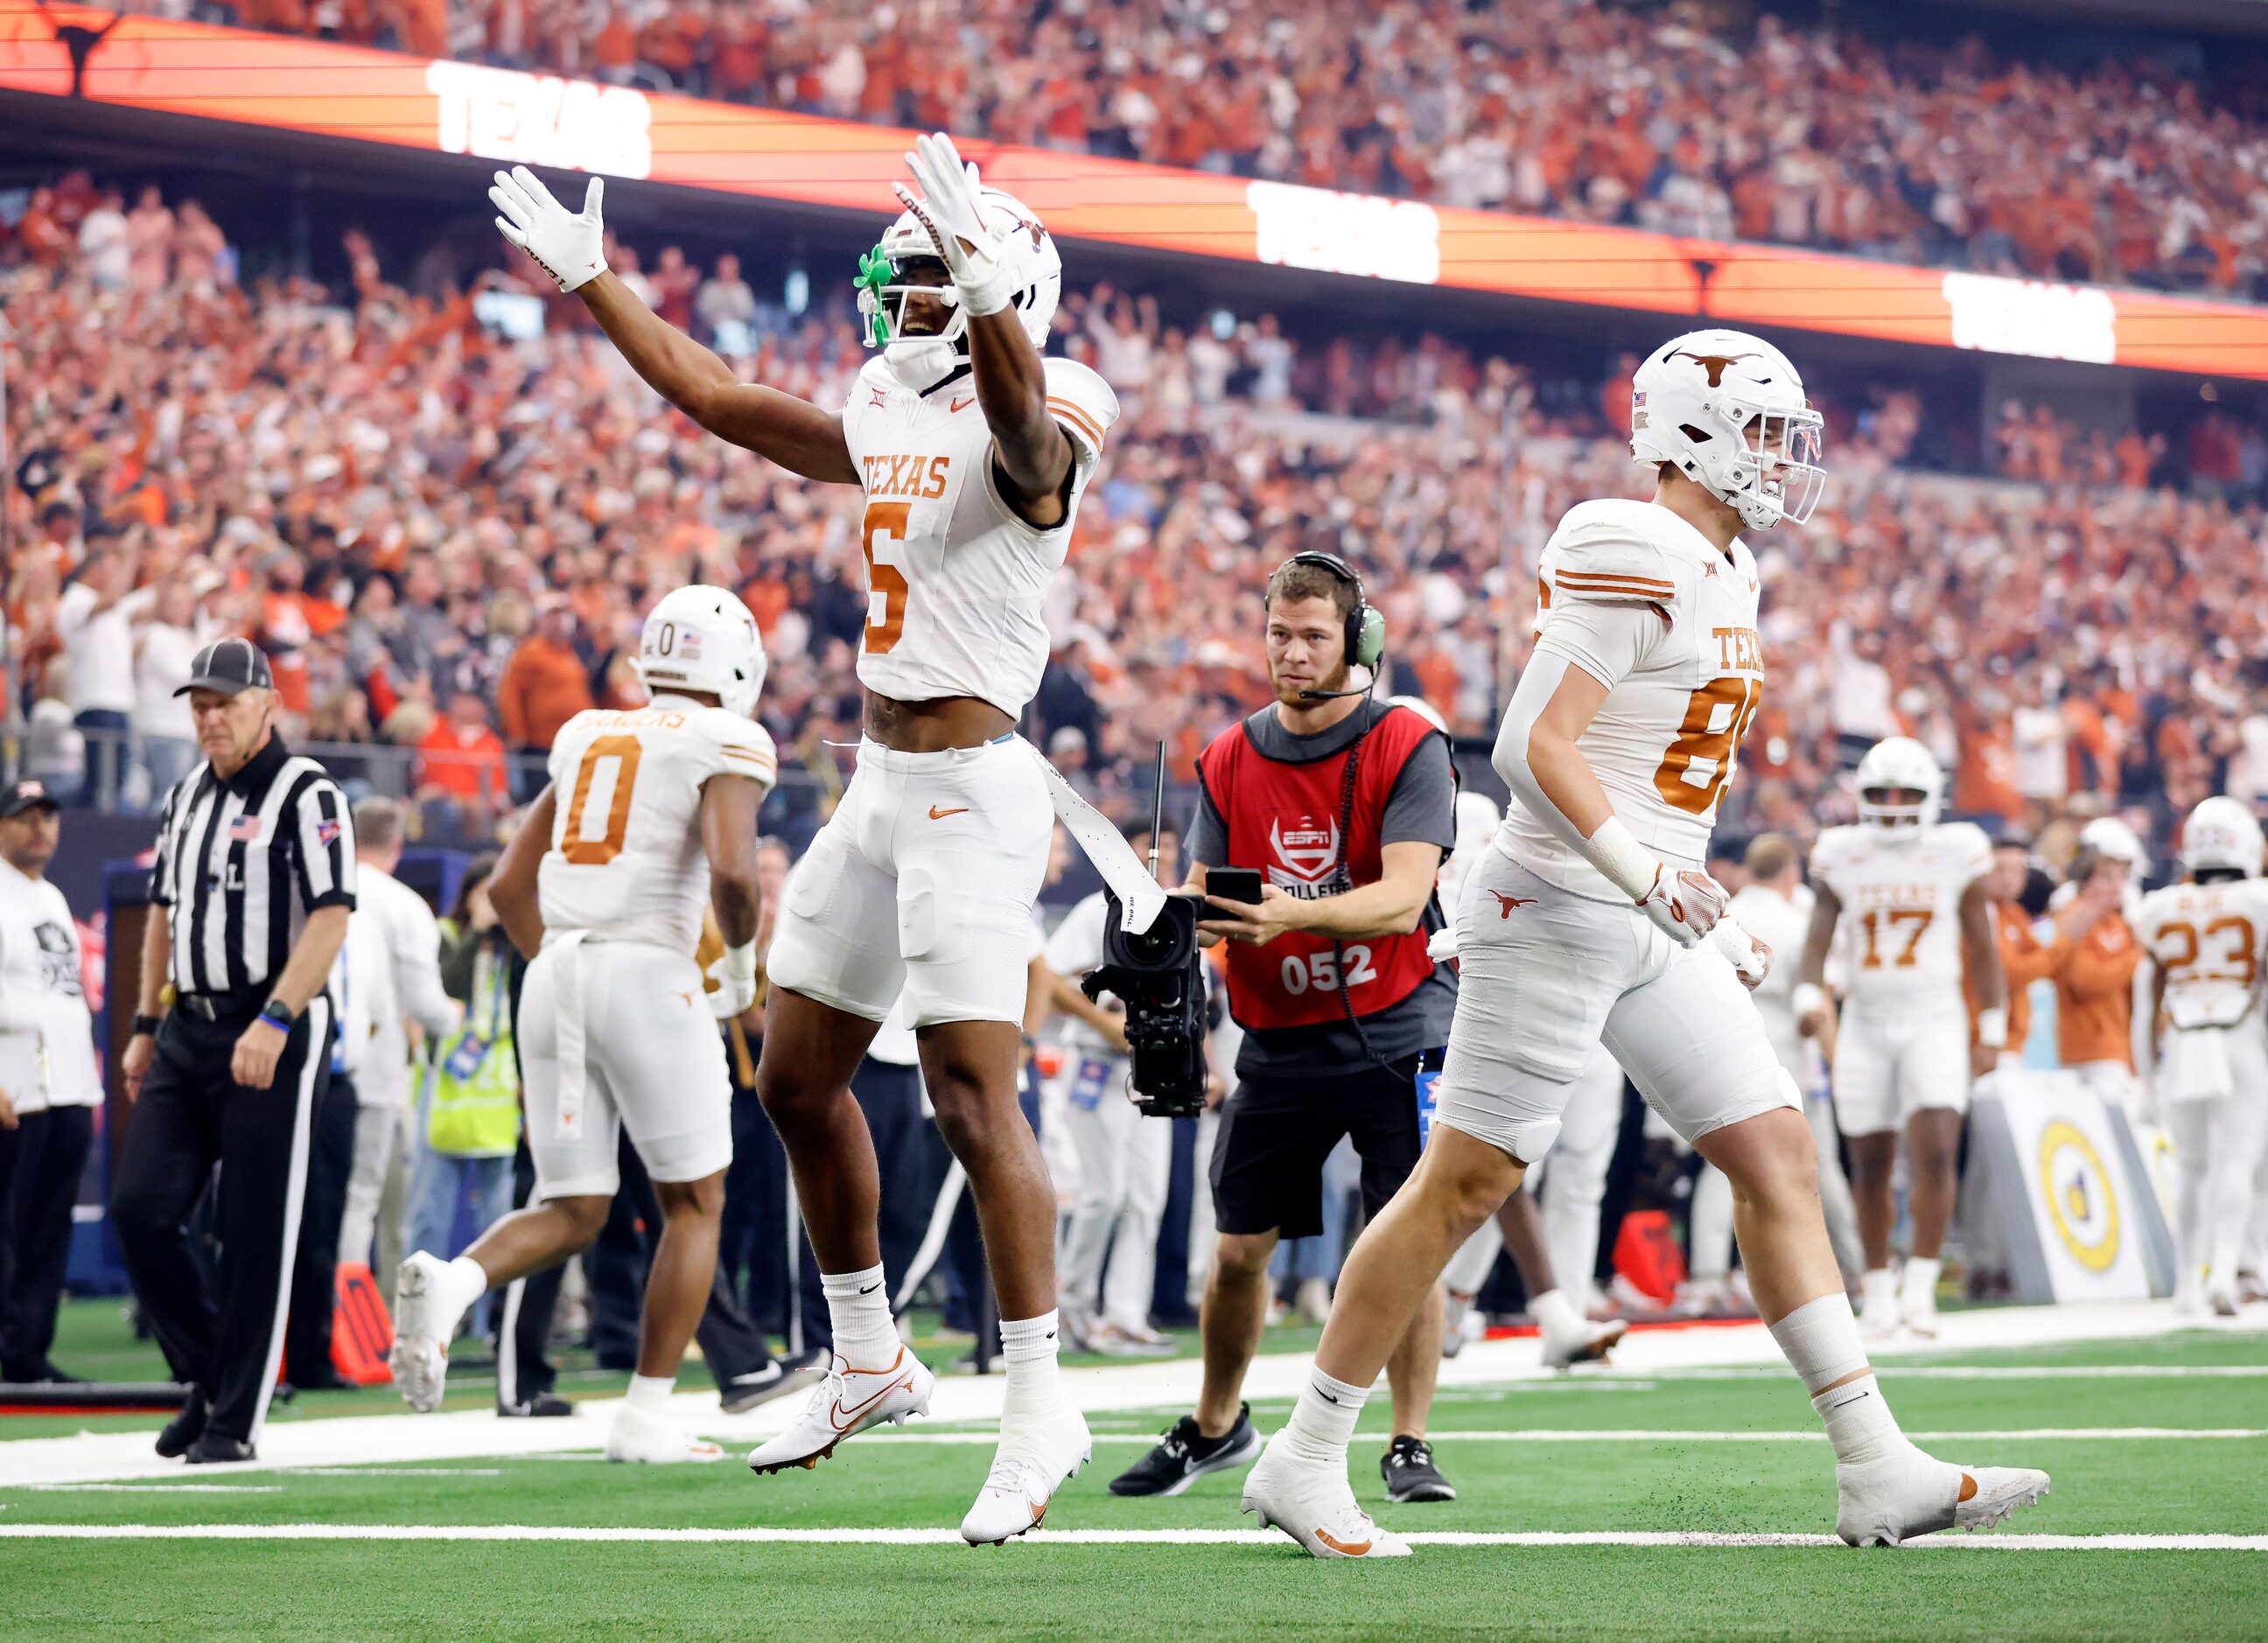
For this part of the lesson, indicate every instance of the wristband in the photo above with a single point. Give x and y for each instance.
(276, 1012)
(146, 1026)
(1629, 865)
(1992, 1028)
(1808, 998)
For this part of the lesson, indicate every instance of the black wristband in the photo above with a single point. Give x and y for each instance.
(146, 1025)
(276, 1012)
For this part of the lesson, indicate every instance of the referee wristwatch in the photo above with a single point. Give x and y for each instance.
(278, 1014)
(146, 1026)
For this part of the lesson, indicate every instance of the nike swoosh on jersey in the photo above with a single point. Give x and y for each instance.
(960, 405)
(936, 814)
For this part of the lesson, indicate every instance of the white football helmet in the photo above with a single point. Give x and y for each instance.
(1895, 763)
(1693, 405)
(922, 362)
(2109, 836)
(2221, 834)
(703, 638)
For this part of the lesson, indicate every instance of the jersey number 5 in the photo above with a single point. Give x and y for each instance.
(575, 840)
(1716, 718)
(885, 521)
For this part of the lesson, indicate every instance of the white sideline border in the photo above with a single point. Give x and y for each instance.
(1691, 1540)
(1736, 1349)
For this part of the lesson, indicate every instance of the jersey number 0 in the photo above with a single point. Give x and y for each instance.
(576, 842)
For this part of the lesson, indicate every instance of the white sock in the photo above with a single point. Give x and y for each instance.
(468, 1281)
(1820, 1339)
(1029, 1347)
(859, 1307)
(1554, 1313)
(650, 1392)
(1322, 1421)
(1879, 1287)
(1920, 1280)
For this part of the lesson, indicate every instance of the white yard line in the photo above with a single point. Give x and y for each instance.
(1666, 1434)
(1743, 1349)
(154, 1488)
(1084, 1537)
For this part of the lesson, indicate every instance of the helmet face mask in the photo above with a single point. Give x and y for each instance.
(891, 303)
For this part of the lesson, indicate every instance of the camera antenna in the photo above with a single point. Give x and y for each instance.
(1158, 811)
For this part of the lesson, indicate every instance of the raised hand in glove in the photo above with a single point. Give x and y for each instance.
(947, 206)
(571, 245)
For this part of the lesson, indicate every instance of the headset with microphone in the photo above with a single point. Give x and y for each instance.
(1366, 626)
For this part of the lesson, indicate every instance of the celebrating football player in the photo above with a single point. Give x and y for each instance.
(1618, 746)
(972, 450)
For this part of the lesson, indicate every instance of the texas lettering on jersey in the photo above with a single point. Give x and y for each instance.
(1666, 742)
(956, 580)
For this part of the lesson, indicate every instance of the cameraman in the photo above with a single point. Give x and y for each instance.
(1346, 805)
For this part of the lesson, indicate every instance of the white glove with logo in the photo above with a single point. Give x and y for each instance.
(947, 206)
(735, 975)
(570, 245)
(1685, 905)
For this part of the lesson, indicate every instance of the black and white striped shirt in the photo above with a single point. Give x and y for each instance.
(241, 862)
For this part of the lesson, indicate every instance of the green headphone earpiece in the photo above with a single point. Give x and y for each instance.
(1366, 624)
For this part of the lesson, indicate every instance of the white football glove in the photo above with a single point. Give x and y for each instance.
(947, 206)
(1684, 906)
(1751, 958)
(570, 245)
(735, 975)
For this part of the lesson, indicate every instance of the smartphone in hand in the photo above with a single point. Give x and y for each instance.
(1234, 884)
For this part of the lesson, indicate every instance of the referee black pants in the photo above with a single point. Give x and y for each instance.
(315, 1268)
(191, 1115)
(40, 1162)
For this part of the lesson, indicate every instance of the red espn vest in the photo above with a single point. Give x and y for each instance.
(1283, 820)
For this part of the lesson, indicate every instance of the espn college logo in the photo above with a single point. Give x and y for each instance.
(1305, 851)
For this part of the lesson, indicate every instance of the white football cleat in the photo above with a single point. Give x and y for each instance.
(1894, 1500)
(1588, 1343)
(2220, 1295)
(1037, 1453)
(847, 1402)
(1315, 1506)
(642, 1435)
(426, 1310)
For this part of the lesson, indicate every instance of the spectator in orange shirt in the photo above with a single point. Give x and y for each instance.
(2024, 957)
(460, 764)
(545, 683)
(2096, 956)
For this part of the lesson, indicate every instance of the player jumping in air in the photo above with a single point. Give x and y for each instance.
(972, 450)
(1618, 746)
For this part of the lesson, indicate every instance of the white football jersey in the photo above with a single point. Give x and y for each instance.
(2206, 939)
(955, 581)
(1665, 741)
(1901, 920)
(626, 856)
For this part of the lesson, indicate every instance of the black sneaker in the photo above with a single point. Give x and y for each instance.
(184, 1429)
(1185, 1454)
(217, 1448)
(776, 1379)
(543, 1405)
(1411, 1474)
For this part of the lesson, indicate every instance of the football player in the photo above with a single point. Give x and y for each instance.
(1617, 744)
(649, 814)
(2205, 939)
(1921, 925)
(973, 451)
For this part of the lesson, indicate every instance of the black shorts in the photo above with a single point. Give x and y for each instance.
(1276, 1131)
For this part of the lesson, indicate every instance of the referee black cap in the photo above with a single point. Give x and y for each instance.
(229, 666)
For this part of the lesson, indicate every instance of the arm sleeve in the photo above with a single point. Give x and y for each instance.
(161, 865)
(1538, 680)
(1209, 833)
(415, 939)
(323, 846)
(1423, 806)
(1609, 641)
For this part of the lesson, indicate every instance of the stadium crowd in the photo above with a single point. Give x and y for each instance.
(1942, 154)
(445, 542)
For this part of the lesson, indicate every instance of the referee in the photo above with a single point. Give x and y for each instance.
(251, 884)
